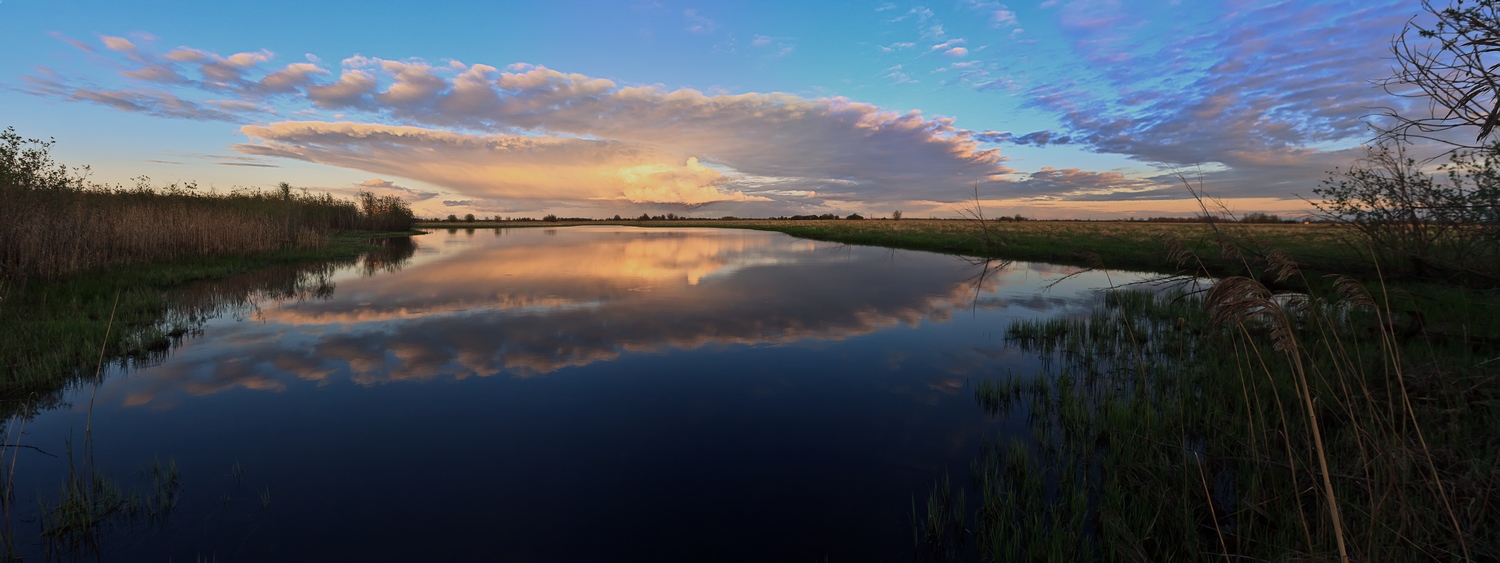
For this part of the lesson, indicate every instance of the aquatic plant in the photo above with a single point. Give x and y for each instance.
(1238, 423)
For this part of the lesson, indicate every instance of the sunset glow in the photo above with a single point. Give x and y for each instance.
(1057, 109)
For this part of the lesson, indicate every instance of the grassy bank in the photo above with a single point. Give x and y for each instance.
(57, 330)
(1229, 427)
(1124, 245)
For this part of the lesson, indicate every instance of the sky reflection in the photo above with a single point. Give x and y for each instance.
(525, 302)
(667, 392)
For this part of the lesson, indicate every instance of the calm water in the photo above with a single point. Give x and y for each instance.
(572, 394)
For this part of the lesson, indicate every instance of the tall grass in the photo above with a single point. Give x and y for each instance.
(1237, 424)
(53, 222)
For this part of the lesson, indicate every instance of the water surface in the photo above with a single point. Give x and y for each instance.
(571, 394)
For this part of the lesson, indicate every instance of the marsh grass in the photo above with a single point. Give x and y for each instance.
(55, 329)
(55, 222)
(1238, 424)
(91, 502)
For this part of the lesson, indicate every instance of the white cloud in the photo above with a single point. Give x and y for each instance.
(505, 167)
(535, 134)
(699, 24)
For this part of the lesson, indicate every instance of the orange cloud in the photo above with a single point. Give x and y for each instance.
(509, 167)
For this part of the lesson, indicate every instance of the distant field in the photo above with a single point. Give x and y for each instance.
(1125, 245)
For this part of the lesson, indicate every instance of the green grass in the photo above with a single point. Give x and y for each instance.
(56, 330)
(1179, 427)
(1123, 245)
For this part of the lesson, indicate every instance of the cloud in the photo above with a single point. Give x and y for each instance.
(1035, 138)
(999, 14)
(147, 101)
(250, 164)
(1260, 91)
(956, 52)
(1076, 184)
(507, 167)
(543, 135)
(946, 46)
(1003, 18)
(383, 187)
(120, 44)
(777, 135)
(699, 24)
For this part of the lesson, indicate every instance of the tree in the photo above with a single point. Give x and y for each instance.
(1447, 224)
(1450, 67)
(469, 218)
(896, 215)
(1429, 225)
(1258, 217)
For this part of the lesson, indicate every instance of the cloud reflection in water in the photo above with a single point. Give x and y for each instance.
(525, 302)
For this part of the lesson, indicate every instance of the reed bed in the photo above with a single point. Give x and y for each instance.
(53, 222)
(1234, 424)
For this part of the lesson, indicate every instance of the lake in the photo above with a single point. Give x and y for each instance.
(568, 394)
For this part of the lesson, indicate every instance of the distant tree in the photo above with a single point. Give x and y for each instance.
(643, 217)
(1258, 217)
(855, 216)
(550, 218)
(617, 217)
(452, 218)
(469, 217)
(896, 215)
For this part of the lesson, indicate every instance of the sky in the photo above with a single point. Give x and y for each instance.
(1050, 109)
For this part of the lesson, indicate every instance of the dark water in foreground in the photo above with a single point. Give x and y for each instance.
(574, 394)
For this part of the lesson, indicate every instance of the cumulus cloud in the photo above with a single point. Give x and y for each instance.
(507, 167)
(539, 134)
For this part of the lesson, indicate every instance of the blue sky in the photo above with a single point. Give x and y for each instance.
(1054, 108)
